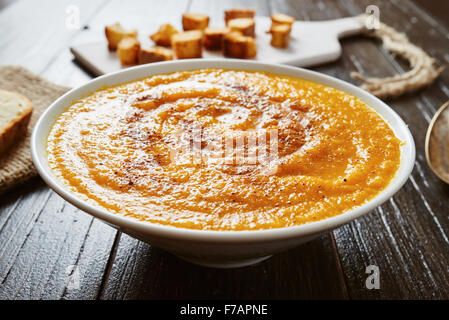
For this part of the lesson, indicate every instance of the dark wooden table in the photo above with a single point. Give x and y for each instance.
(43, 238)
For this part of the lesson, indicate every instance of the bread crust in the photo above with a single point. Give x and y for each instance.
(162, 37)
(239, 13)
(17, 127)
(188, 44)
(155, 54)
(115, 33)
(280, 35)
(213, 38)
(236, 45)
(246, 26)
(128, 51)
(194, 21)
(280, 18)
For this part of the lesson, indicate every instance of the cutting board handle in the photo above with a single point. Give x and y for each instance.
(347, 26)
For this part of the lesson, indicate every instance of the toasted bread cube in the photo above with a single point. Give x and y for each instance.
(162, 37)
(280, 35)
(194, 21)
(128, 50)
(188, 44)
(213, 38)
(238, 13)
(115, 33)
(280, 18)
(236, 45)
(245, 26)
(155, 54)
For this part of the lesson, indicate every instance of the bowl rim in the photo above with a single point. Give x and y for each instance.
(40, 133)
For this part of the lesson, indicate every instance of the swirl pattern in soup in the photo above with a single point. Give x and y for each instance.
(220, 149)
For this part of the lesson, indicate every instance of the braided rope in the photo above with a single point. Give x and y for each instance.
(422, 73)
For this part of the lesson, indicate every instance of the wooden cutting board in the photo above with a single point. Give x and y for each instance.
(311, 43)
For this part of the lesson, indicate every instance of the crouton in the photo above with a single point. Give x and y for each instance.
(280, 18)
(244, 25)
(188, 44)
(128, 50)
(162, 37)
(155, 54)
(115, 33)
(280, 35)
(213, 38)
(194, 21)
(238, 13)
(236, 45)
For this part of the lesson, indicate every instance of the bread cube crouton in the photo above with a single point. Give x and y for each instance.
(128, 50)
(280, 35)
(115, 33)
(246, 26)
(213, 38)
(155, 54)
(162, 37)
(236, 45)
(238, 13)
(280, 18)
(194, 21)
(188, 44)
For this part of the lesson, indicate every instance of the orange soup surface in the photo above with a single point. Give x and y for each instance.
(223, 150)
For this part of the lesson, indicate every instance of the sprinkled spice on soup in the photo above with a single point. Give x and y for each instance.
(217, 149)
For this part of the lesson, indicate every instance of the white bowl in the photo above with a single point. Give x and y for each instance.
(219, 248)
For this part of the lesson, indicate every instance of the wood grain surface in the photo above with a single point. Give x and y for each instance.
(44, 240)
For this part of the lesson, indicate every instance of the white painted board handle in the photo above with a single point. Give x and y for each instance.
(347, 26)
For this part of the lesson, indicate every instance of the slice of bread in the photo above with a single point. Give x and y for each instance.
(15, 114)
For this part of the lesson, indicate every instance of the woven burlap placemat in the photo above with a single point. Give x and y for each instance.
(16, 165)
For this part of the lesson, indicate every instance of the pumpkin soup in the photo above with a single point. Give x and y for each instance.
(221, 149)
